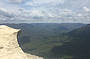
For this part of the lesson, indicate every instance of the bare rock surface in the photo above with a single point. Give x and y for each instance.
(9, 47)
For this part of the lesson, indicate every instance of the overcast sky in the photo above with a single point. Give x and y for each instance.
(45, 10)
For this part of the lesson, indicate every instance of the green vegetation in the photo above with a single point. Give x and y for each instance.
(55, 41)
(78, 46)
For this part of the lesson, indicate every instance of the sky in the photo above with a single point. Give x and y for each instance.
(58, 11)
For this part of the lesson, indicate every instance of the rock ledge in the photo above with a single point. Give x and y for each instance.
(9, 47)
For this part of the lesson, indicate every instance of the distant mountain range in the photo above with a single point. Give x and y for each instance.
(77, 46)
(55, 41)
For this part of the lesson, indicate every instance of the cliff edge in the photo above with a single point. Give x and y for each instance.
(9, 47)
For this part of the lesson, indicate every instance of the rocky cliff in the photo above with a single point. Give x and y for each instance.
(9, 47)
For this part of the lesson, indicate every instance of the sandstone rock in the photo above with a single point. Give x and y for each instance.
(9, 47)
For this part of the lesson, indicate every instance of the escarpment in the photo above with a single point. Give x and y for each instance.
(9, 47)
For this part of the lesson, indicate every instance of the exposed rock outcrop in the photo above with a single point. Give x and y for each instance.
(9, 47)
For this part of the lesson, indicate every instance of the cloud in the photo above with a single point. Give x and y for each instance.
(3, 9)
(79, 15)
(44, 10)
(15, 1)
(86, 9)
(44, 2)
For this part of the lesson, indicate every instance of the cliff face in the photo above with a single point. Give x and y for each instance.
(9, 47)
